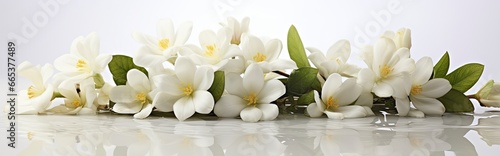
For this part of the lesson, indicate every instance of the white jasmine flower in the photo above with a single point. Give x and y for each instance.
(84, 60)
(136, 97)
(237, 28)
(335, 60)
(423, 92)
(216, 49)
(266, 56)
(335, 100)
(186, 91)
(37, 98)
(78, 97)
(163, 47)
(250, 97)
(388, 65)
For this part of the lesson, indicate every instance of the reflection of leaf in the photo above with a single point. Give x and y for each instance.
(217, 87)
(460, 145)
(120, 65)
(296, 48)
(442, 66)
(455, 101)
(463, 78)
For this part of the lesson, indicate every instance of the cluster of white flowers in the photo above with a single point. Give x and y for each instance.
(180, 75)
(390, 72)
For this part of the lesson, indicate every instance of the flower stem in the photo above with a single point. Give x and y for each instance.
(56, 95)
(281, 73)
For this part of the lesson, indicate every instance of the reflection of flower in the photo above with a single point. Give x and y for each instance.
(335, 60)
(186, 91)
(489, 135)
(336, 99)
(164, 46)
(36, 99)
(250, 97)
(134, 98)
(84, 59)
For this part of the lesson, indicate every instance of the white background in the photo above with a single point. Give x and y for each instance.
(468, 30)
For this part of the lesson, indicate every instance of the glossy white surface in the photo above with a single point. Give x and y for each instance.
(452, 134)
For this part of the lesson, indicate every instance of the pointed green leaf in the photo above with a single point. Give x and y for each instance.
(463, 78)
(120, 65)
(442, 66)
(302, 80)
(455, 102)
(296, 48)
(217, 87)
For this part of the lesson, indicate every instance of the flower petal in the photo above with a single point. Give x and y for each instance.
(365, 99)
(164, 102)
(273, 49)
(203, 79)
(253, 81)
(317, 58)
(382, 89)
(148, 57)
(334, 115)
(146, 110)
(170, 84)
(340, 49)
(183, 33)
(102, 62)
(416, 113)
(281, 64)
(333, 82)
(127, 108)
(229, 106)
(352, 111)
(184, 108)
(203, 101)
(269, 111)
(319, 101)
(429, 106)
(138, 81)
(314, 111)
(348, 92)
(436, 88)
(185, 69)
(272, 90)
(403, 106)
(251, 114)
(423, 71)
(165, 29)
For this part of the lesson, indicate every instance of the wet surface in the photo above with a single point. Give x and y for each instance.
(451, 134)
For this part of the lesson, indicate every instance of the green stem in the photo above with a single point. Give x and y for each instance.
(56, 95)
(281, 73)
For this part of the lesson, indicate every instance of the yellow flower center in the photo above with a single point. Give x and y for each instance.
(235, 41)
(164, 43)
(30, 136)
(210, 50)
(81, 64)
(259, 57)
(331, 103)
(416, 89)
(141, 97)
(252, 99)
(76, 103)
(386, 70)
(31, 92)
(187, 90)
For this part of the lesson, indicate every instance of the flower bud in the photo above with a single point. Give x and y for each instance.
(402, 38)
(489, 95)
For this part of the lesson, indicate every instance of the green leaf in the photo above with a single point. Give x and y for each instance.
(296, 48)
(485, 91)
(217, 87)
(120, 65)
(463, 78)
(455, 102)
(442, 66)
(306, 99)
(302, 81)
